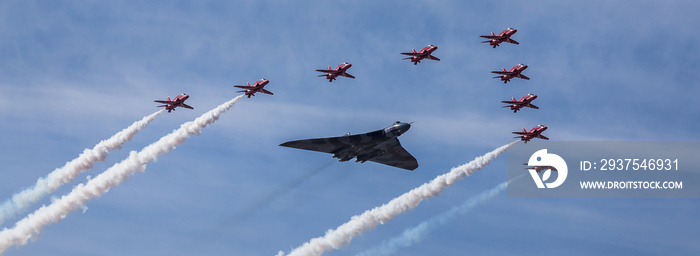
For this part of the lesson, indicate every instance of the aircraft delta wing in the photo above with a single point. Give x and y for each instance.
(381, 146)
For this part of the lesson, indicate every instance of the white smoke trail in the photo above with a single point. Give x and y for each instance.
(68, 172)
(412, 235)
(370, 219)
(81, 194)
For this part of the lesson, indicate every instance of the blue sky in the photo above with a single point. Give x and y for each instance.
(76, 72)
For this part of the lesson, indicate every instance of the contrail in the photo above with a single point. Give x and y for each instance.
(81, 194)
(215, 233)
(248, 211)
(370, 219)
(414, 234)
(85, 161)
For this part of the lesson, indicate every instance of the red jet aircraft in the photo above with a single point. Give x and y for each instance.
(525, 101)
(258, 86)
(178, 101)
(539, 169)
(535, 132)
(504, 36)
(515, 71)
(426, 52)
(340, 70)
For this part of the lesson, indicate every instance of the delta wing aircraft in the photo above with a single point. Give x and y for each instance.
(380, 146)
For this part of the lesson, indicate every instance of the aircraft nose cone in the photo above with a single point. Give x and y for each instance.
(403, 127)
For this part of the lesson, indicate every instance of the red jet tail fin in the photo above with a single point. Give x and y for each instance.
(329, 68)
(513, 98)
(492, 34)
(524, 130)
(414, 51)
(504, 70)
(169, 98)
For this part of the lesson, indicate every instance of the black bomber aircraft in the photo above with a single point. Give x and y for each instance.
(380, 146)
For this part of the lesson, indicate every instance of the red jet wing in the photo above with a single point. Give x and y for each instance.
(492, 37)
(511, 41)
(328, 71)
(414, 53)
(503, 72)
(347, 75)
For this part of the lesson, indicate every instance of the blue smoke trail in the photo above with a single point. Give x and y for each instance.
(415, 234)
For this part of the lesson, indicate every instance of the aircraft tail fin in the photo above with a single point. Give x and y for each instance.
(513, 98)
(524, 130)
(329, 68)
(504, 70)
(492, 34)
(414, 51)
